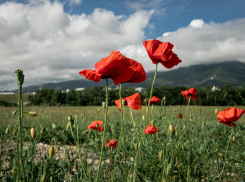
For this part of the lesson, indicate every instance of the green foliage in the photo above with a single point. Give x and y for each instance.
(6, 104)
(227, 95)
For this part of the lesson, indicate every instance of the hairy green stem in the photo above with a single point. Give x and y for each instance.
(103, 140)
(138, 152)
(226, 152)
(119, 141)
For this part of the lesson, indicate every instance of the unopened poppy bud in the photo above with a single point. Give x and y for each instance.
(19, 77)
(51, 151)
(132, 130)
(43, 179)
(98, 110)
(68, 126)
(171, 129)
(134, 124)
(103, 104)
(32, 113)
(165, 118)
(237, 133)
(143, 118)
(7, 130)
(33, 133)
(134, 140)
(70, 118)
(136, 146)
(164, 100)
(151, 122)
(234, 139)
(83, 114)
(86, 131)
(221, 155)
(179, 107)
(180, 116)
(14, 112)
(160, 155)
(216, 111)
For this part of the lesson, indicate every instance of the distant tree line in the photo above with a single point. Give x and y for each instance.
(227, 95)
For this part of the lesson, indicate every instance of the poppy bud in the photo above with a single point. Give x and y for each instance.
(33, 133)
(171, 129)
(165, 118)
(86, 131)
(237, 133)
(143, 118)
(68, 126)
(134, 140)
(216, 111)
(180, 116)
(43, 179)
(160, 155)
(70, 119)
(14, 112)
(234, 139)
(221, 155)
(32, 113)
(7, 130)
(83, 114)
(179, 107)
(164, 100)
(19, 77)
(103, 104)
(132, 130)
(51, 151)
(98, 110)
(134, 124)
(136, 146)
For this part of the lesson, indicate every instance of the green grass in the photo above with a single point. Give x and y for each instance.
(206, 142)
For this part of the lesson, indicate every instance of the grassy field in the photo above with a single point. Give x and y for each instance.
(194, 149)
(13, 98)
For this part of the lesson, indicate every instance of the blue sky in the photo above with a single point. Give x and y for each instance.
(54, 40)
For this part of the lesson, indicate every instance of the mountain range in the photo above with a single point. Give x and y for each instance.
(202, 75)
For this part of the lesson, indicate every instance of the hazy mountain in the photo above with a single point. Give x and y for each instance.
(218, 74)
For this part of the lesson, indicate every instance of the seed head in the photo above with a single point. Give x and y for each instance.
(32, 113)
(171, 129)
(51, 151)
(33, 133)
(14, 112)
(234, 139)
(19, 77)
(216, 111)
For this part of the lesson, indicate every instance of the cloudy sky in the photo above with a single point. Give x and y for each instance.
(52, 41)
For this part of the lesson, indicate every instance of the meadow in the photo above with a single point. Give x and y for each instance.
(161, 155)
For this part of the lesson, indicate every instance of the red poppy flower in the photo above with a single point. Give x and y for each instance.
(230, 115)
(94, 124)
(118, 68)
(113, 144)
(180, 116)
(161, 52)
(190, 93)
(151, 129)
(133, 101)
(154, 100)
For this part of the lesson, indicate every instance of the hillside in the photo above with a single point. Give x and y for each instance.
(218, 74)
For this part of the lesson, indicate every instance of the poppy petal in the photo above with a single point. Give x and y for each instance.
(90, 75)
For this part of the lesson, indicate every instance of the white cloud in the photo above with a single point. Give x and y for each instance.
(51, 45)
(197, 23)
(75, 2)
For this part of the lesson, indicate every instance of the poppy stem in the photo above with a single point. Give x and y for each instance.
(110, 167)
(122, 130)
(138, 152)
(226, 152)
(103, 140)
(152, 87)
(187, 105)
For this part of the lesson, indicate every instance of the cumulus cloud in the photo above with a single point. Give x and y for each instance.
(197, 23)
(51, 45)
